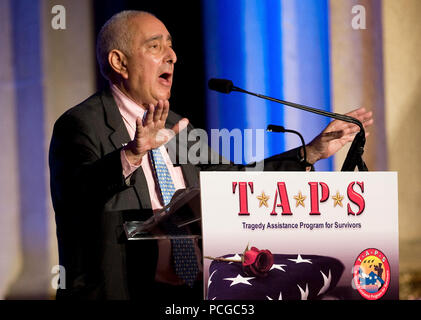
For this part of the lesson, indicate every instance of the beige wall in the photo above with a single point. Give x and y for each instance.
(380, 68)
(69, 68)
(402, 78)
(10, 255)
(357, 73)
(67, 78)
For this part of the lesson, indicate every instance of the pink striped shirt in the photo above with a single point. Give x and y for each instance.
(129, 111)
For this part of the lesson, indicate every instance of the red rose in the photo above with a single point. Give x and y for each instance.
(257, 262)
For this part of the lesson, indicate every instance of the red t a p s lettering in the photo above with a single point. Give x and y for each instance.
(314, 196)
(356, 198)
(283, 198)
(243, 196)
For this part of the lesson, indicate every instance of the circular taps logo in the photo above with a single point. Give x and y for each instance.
(371, 274)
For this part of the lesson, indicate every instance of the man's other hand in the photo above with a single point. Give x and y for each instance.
(336, 135)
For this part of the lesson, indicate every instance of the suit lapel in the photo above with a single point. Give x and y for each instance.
(120, 137)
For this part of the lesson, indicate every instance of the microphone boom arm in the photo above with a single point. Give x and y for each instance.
(354, 157)
(305, 108)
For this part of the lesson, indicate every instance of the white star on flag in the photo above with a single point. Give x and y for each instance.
(304, 294)
(278, 267)
(239, 279)
(234, 257)
(301, 260)
(280, 296)
(210, 278)
(326, 282)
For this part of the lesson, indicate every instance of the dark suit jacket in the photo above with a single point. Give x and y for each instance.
(91, 200)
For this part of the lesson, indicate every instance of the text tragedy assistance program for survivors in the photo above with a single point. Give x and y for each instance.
(300, 225)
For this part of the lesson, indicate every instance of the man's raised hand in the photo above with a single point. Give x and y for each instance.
(336, 135)
(151, 132)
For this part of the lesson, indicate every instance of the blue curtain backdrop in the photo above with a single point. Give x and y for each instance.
(279, 48)
(30, 121)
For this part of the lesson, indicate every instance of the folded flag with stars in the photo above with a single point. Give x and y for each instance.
(291, 277)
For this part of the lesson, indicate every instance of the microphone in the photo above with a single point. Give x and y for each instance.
(354, 156)
(221, 85)
(275, 128)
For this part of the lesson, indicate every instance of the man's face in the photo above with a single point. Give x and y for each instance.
(151, 61)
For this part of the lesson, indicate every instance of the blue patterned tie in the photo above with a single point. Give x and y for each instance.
(184, 255)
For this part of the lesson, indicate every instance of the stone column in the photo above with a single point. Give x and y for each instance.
(357, 73)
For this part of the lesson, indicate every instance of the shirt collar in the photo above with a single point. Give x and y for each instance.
(129, 109)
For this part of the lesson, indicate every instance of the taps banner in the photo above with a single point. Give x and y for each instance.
(300, 235)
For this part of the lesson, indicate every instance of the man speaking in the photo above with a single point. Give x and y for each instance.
(108, 160)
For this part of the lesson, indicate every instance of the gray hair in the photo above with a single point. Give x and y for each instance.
(115, 34)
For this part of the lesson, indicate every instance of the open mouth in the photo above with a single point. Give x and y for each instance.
(166, 77)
